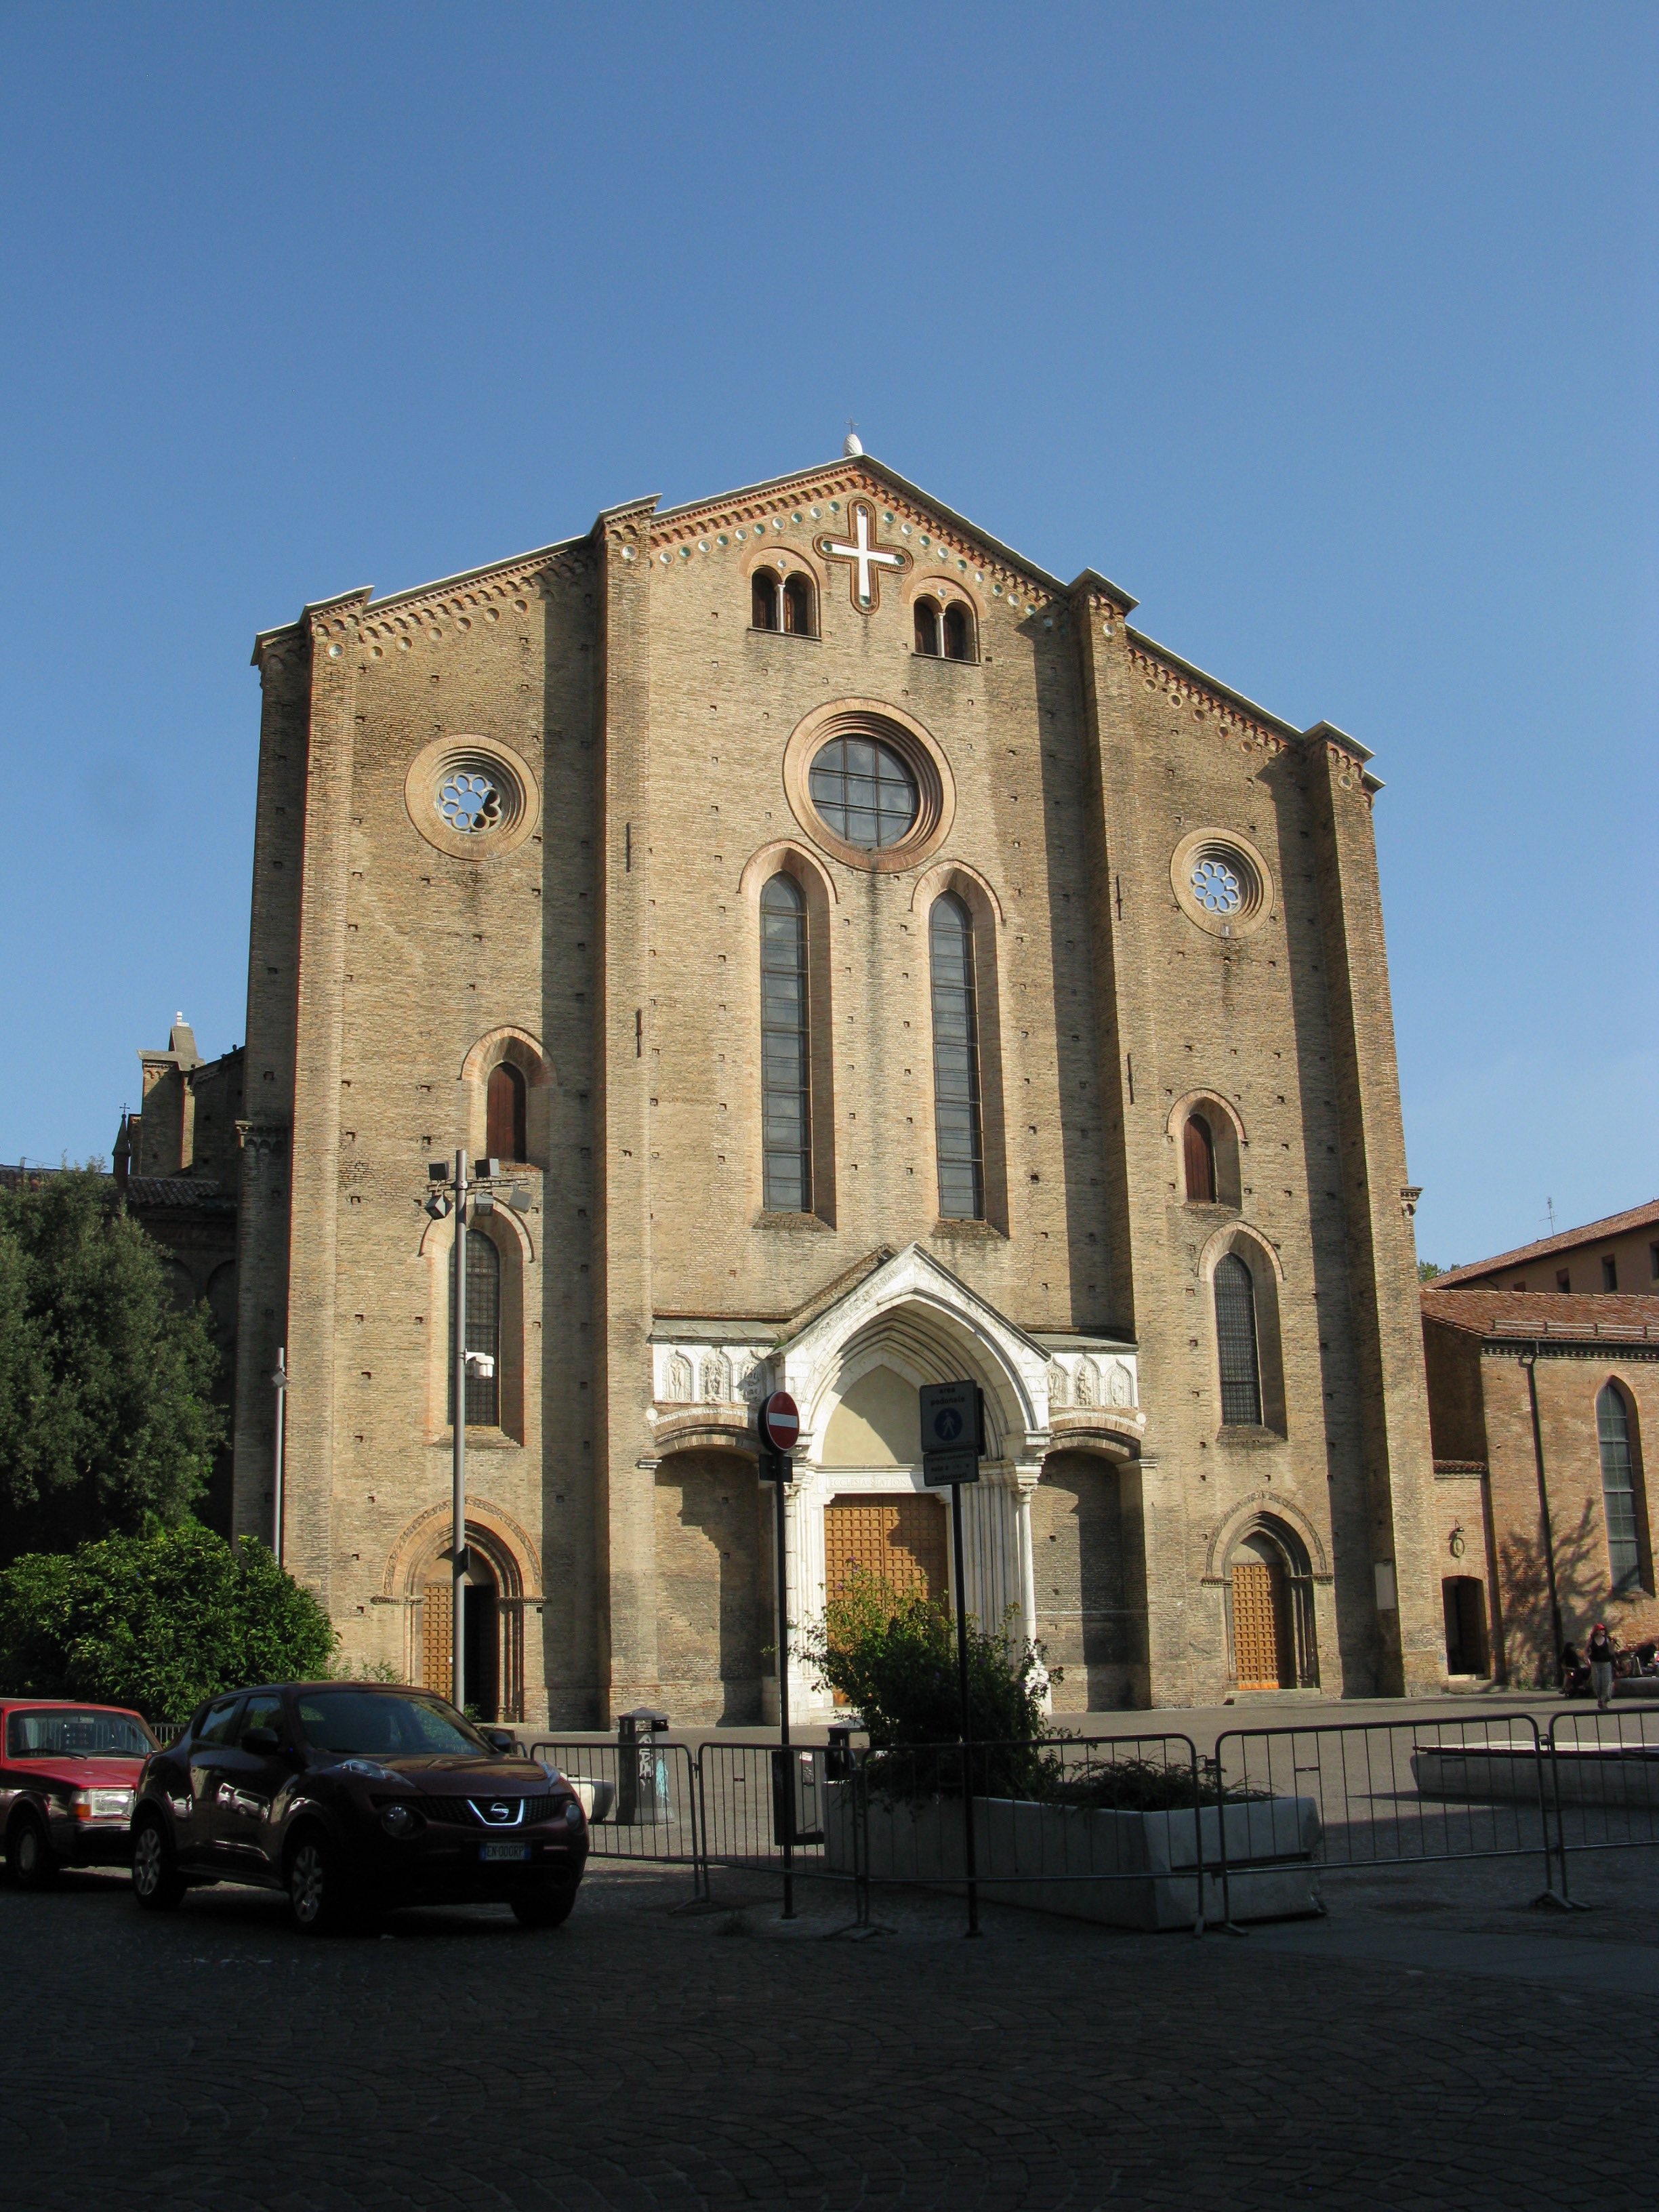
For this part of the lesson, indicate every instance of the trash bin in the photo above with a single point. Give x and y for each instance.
(642, 1793)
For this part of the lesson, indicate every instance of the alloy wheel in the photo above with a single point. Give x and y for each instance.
(307, 1885)
(147, 1862)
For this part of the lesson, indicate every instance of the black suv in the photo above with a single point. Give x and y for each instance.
(355, 1797)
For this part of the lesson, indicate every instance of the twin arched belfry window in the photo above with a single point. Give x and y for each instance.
(787, 1055)
(784, 603)
(945, 631)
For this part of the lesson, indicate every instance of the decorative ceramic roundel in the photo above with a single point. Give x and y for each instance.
(1216, 887)
(1221, 882)
(472, 797)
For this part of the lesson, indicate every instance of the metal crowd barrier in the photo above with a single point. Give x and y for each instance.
(1604, 1782)
(1246, 1832)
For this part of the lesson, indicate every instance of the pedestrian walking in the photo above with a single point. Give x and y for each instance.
(1601, 1651)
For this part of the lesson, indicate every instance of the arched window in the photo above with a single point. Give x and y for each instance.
(955, 1063)
(1199, 1148)
(800, 609)
(484, 1334)
(786, 1079)
(1235, 1330)
(927, 631)
(765, 612)
(1619, 1491)
(504, 1114)
(958, 632)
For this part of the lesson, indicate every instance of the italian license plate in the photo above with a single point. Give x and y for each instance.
(513, 1854)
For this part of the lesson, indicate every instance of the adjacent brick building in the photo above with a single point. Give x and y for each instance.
(1540, 1402)
(880, 963)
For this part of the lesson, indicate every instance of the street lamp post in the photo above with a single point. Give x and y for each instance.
(451, 1193)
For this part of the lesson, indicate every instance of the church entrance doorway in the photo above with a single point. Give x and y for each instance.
(1270, 1601)
(480, 1639)
(902, 1538)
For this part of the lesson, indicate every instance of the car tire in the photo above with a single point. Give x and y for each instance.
(319, 1899)
(545, 1908)
(157, 1883)
(29, 1853)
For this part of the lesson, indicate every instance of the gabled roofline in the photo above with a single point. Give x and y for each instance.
(363, 595)
(888, 475)
(1318, 733)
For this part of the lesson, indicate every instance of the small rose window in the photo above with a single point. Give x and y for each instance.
(468, 801)
(1216, 886)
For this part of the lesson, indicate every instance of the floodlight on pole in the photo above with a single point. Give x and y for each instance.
(279, 1384)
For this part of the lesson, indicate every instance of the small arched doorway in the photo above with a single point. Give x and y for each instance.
(1269, 1594)
(492, 1631)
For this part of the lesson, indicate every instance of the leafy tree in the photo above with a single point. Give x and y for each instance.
(158, 1622)
(892, 1655)
(107, 1421)
(1426, 1271)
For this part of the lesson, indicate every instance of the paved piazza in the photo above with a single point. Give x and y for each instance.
(1433, 2041)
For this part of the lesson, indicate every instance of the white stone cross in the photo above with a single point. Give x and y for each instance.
(866, 557)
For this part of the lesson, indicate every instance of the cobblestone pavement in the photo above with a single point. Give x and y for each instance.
(642, 2058)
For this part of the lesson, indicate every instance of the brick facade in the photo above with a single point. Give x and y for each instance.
(656, 748)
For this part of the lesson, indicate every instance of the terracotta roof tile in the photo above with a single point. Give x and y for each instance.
(1622, 1317)
(1593, 1232)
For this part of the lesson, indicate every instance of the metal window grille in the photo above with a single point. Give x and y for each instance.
(785, 1063)
(484, 1334)
(1235, 1329)
(955, 1063)
(1618, 1487)
(864, 791)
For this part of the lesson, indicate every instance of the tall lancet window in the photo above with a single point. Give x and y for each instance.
(1234, 1329)
(955, 1063)
(786, 1079)
(483, 1333)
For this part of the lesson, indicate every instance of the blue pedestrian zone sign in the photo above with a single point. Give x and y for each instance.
(950, 1433)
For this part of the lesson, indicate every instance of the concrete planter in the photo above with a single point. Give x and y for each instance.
(1127, 1870)
(1625, 1776)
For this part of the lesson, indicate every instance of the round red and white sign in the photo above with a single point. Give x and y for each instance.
(779, 1422)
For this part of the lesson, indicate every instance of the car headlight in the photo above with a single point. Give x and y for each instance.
(368, 1769)
(573, 1812)
(101, 1804)
(551, 1773)
(401, 1821)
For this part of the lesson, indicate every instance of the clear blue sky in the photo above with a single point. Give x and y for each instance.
(1327, 331)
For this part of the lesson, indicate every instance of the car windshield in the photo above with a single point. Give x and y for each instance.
(62, 1732)
(368, 1723)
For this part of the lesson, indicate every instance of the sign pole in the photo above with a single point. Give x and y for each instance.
(967, 1732)
(458, 1465)
(778, 1424)
(788, 1798)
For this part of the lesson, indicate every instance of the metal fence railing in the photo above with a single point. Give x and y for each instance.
(1140, 1831)
(1604, 1782)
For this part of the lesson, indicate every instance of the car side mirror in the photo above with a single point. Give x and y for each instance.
(501, 1740)
(262, 1741)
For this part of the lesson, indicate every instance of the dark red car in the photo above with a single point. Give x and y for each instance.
(68, 1775)
(355, 1797)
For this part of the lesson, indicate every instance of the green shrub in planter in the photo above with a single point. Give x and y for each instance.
(892, 1655)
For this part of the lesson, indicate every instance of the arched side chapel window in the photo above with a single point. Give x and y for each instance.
(785, 1063)
(958, 1133)
(505, 1120)
(1236, 1340)
(483, 1333)
(1620, 1493)
(1198, 1150)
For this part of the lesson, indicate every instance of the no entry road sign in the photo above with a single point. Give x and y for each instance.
(779, 1422)
(950, 1433)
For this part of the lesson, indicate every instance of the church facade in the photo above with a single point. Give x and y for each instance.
(875, 961)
